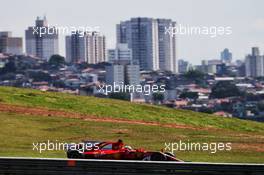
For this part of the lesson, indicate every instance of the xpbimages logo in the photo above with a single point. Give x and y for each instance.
(212, 147)
(211, 31)
(65, 30)
(58, 146)
(123, 88)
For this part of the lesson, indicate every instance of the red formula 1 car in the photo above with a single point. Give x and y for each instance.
(114, 151)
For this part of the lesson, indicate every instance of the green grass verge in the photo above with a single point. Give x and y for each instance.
(19, 132)
(121, 109)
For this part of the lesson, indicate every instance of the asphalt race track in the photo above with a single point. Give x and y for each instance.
(79, 166)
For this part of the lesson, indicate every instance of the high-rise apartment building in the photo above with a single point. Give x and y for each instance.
(132, 74)
(151, 46)
(183, 66)
(88, 47)
(9, 44)
(123, 74)
(254, 63)
(115, 74)
(42, 40)
(226, 56)
(121, 58)
(167, 46)
(120, 54)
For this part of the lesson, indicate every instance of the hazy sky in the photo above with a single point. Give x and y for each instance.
(246, 17)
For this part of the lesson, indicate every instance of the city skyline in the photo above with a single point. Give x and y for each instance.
(246, 20)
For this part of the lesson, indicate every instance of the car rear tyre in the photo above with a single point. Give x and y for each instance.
(157, 157)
